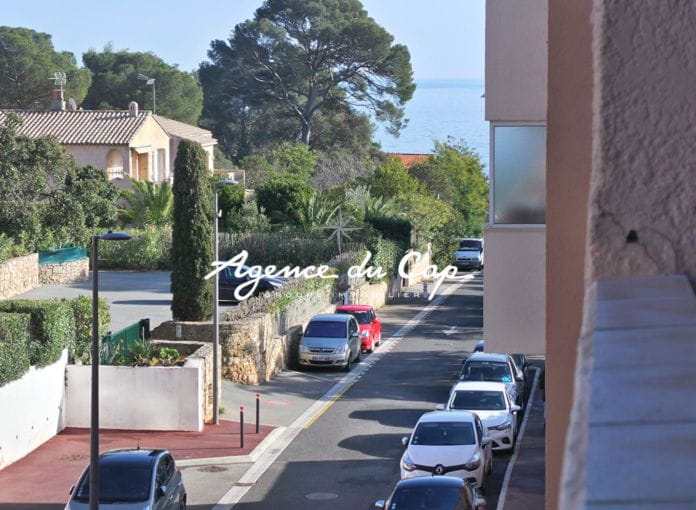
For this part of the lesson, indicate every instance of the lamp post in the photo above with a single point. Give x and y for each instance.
(150, 81)
(94, 421)
(216, 303)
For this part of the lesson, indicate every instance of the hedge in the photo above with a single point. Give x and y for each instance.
(52, 327)
(387, 255)
(14, 346)
(394, 229)
(82, 312)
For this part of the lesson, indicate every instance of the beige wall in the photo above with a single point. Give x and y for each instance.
(96, 155)
(153, 138)
(514, 290)
(209, 152)
(569, 142)
(516, 34)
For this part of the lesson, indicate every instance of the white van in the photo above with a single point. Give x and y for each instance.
(469, 255)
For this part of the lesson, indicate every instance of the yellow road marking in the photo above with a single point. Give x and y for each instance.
(329, 404)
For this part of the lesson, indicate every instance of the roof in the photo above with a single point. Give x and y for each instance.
(447, 416)
(410, 158)
(431, 481)
(75, 127)
(488, 356)
(354, 308)
(479, 386)
(332, 317)
(186, 131)
(130, 457)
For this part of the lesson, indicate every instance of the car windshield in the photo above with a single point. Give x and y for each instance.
(478, 401)
(447, 433)
(422, 498)
(119, 484)
(494, 371)
(362, 317)
(470, 245)
(326, 329)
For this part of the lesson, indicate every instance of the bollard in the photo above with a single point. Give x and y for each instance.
(241, 426)
(258, 411)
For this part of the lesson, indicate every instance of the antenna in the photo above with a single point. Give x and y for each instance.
(59, 79)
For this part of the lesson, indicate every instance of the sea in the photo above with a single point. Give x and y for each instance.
(439, 109)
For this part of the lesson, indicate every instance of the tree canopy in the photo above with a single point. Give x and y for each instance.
(27, 61)
(115, 83)
(297, 61)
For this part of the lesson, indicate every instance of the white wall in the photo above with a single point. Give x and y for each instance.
(516, 60)
(32, 410)
(137, 398)
(514, 299)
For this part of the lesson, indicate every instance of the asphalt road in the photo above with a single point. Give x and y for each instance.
(349, 457)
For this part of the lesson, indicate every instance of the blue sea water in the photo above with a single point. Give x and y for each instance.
(438, 109)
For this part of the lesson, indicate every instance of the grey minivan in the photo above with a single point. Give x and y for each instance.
(330, 340)
(133, 480)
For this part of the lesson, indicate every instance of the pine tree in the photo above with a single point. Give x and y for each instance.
(192, 235)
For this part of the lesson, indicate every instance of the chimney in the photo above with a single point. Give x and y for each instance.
(57, 102)
(133, 108)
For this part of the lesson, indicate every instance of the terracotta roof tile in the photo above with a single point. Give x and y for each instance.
(410, 159)
(186, 131)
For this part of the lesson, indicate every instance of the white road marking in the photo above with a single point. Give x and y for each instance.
(267, 458)
(451, 331)
(511, 464)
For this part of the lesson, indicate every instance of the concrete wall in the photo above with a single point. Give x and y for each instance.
(64, 272)
(32, 409)
(96, 155)
(569, 153)
(515, 293)
(138, 398)
(516, 64)
(18, 275)
(152, 137)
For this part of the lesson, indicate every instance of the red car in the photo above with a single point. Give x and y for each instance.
(370, 326)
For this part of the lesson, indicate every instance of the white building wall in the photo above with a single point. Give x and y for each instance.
(32, 410)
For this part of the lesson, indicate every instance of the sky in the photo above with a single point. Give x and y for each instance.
(445, 37)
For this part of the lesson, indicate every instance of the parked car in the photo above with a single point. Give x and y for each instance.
(522, 365)
(368, 322)
(432, 493)
(331, 340)
(450, 443)
(479, 346)
(469, 255)
(491, 367)
(228, 283)
(493, 404)
(133, 480)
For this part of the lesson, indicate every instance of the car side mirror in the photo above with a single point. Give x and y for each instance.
(515, 408)
(405, 440)
(519, 379)
(485, 440)
(463, 361)
(379, 504)
(354, 335)
(440, 407)
(161, 491)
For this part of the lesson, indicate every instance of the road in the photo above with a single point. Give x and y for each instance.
(349, 457)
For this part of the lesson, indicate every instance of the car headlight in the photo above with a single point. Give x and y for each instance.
(364, 334)
(503, 426)
(341, 349)
(474, 463)
(304, 348)
(407, 463)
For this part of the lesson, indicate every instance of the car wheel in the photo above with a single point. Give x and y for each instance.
(349, 363)
(372, 346)
(182, 506)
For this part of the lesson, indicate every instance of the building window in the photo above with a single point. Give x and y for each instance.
(114, 164)
(519, 174)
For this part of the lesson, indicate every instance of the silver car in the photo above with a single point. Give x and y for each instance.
(133, 480)
(331, 340)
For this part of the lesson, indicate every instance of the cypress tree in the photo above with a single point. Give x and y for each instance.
(192, 235)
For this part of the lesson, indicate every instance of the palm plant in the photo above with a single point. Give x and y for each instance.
(380, 207)
(314, 211)
(149, 203)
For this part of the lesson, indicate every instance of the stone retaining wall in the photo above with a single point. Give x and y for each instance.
(18, 275)
(64, 272)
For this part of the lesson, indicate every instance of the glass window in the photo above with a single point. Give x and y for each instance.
(493, 371)
(519, 174)
(418, 498)
(362, 317)
(479, 401)
(119, 484)
(326, 329)
(471, 245)
(448, 433)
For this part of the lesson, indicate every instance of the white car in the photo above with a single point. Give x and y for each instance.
(492, 367)
(492, 403)
(469, 254)
(451, 443)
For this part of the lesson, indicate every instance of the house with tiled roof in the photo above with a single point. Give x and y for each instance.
(134, 143)
(410, 158)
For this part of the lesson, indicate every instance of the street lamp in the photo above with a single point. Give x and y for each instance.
(94, 423)
(216, 305)
(150, 81)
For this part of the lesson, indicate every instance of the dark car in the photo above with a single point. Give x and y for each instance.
(433, 493)
(491, 367)
(133, 480)
(522, 365)
(228, 283)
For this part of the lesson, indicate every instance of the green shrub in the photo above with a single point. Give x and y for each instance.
(386, 254)
(394, 229)
(52, 327)
(280, 196)
(82, 312)
(14, 346)
(10, 248)
(149, 249)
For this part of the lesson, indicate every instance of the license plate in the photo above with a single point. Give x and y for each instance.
(320, 358)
